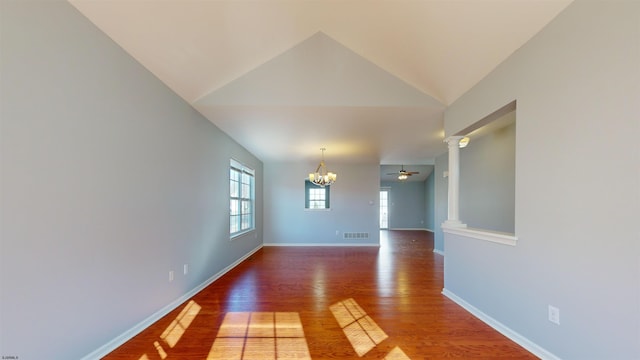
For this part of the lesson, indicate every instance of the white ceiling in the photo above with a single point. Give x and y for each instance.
(369, 80)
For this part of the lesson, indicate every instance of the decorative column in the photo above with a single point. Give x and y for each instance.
(453, 218)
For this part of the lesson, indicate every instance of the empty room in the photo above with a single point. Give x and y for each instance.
(319, 179)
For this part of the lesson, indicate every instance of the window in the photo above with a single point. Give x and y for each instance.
(315, 197)
(241, 199)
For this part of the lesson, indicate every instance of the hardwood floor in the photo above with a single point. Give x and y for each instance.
(397, 285)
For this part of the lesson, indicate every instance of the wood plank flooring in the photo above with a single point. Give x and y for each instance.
(394, 289)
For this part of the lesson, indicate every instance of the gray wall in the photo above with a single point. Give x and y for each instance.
(577, 187)
(441, 197)
(354, 205)
(429, 202)
(487, 181)
(109, 181)
(407, 206)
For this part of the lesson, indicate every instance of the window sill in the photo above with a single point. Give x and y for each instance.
(241, 234)
(481, 234)
(317, 209)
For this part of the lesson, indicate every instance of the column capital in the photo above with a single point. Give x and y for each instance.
(453, 140)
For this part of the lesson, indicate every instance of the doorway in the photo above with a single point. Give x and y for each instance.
(384, 208)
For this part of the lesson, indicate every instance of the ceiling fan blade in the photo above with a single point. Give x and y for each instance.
(404, 172)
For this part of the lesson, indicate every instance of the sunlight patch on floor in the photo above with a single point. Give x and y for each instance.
(396, 354)
(176, 329)
(260, 335)
(361, 331)
(172, 334)
(160, 350)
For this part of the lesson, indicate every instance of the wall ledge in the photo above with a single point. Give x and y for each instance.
(481, 234)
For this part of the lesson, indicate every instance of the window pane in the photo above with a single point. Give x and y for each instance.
(246, 222)
(233, 188)
(315, 204)
(246, 191)
(234, 175)
(234, 209)
(235, 224)
(316, 194)
(316, 198)
(246, 178)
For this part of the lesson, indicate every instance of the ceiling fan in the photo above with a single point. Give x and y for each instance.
(403, 174)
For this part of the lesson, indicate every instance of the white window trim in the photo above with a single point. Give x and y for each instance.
(243, 168)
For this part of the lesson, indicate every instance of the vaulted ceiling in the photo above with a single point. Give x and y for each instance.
(369, 80)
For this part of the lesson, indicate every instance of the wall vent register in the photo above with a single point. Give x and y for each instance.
(355, 235)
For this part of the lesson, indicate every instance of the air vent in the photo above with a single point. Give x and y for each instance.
(355, 235)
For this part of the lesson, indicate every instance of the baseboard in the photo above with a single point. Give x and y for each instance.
(322, 244)
(501, 328)
(138, 328)
(411, 229)
(439, 252)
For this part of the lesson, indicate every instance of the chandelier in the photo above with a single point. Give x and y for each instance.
(321, 176)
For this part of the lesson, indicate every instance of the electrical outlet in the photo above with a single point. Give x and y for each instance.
(554, 315)
(171, 276)
(186, 268)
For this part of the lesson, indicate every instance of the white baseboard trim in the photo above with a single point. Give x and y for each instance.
(501, 328)
(410, 229)
(439, 252)
(138, 328)
(322, 244)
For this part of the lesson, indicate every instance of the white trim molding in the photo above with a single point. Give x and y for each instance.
(481, 234)
(439, 252)
(410, 229)
(519, 339)
(138, 328)
(322, 244)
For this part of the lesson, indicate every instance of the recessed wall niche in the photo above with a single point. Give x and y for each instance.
(487, 172)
